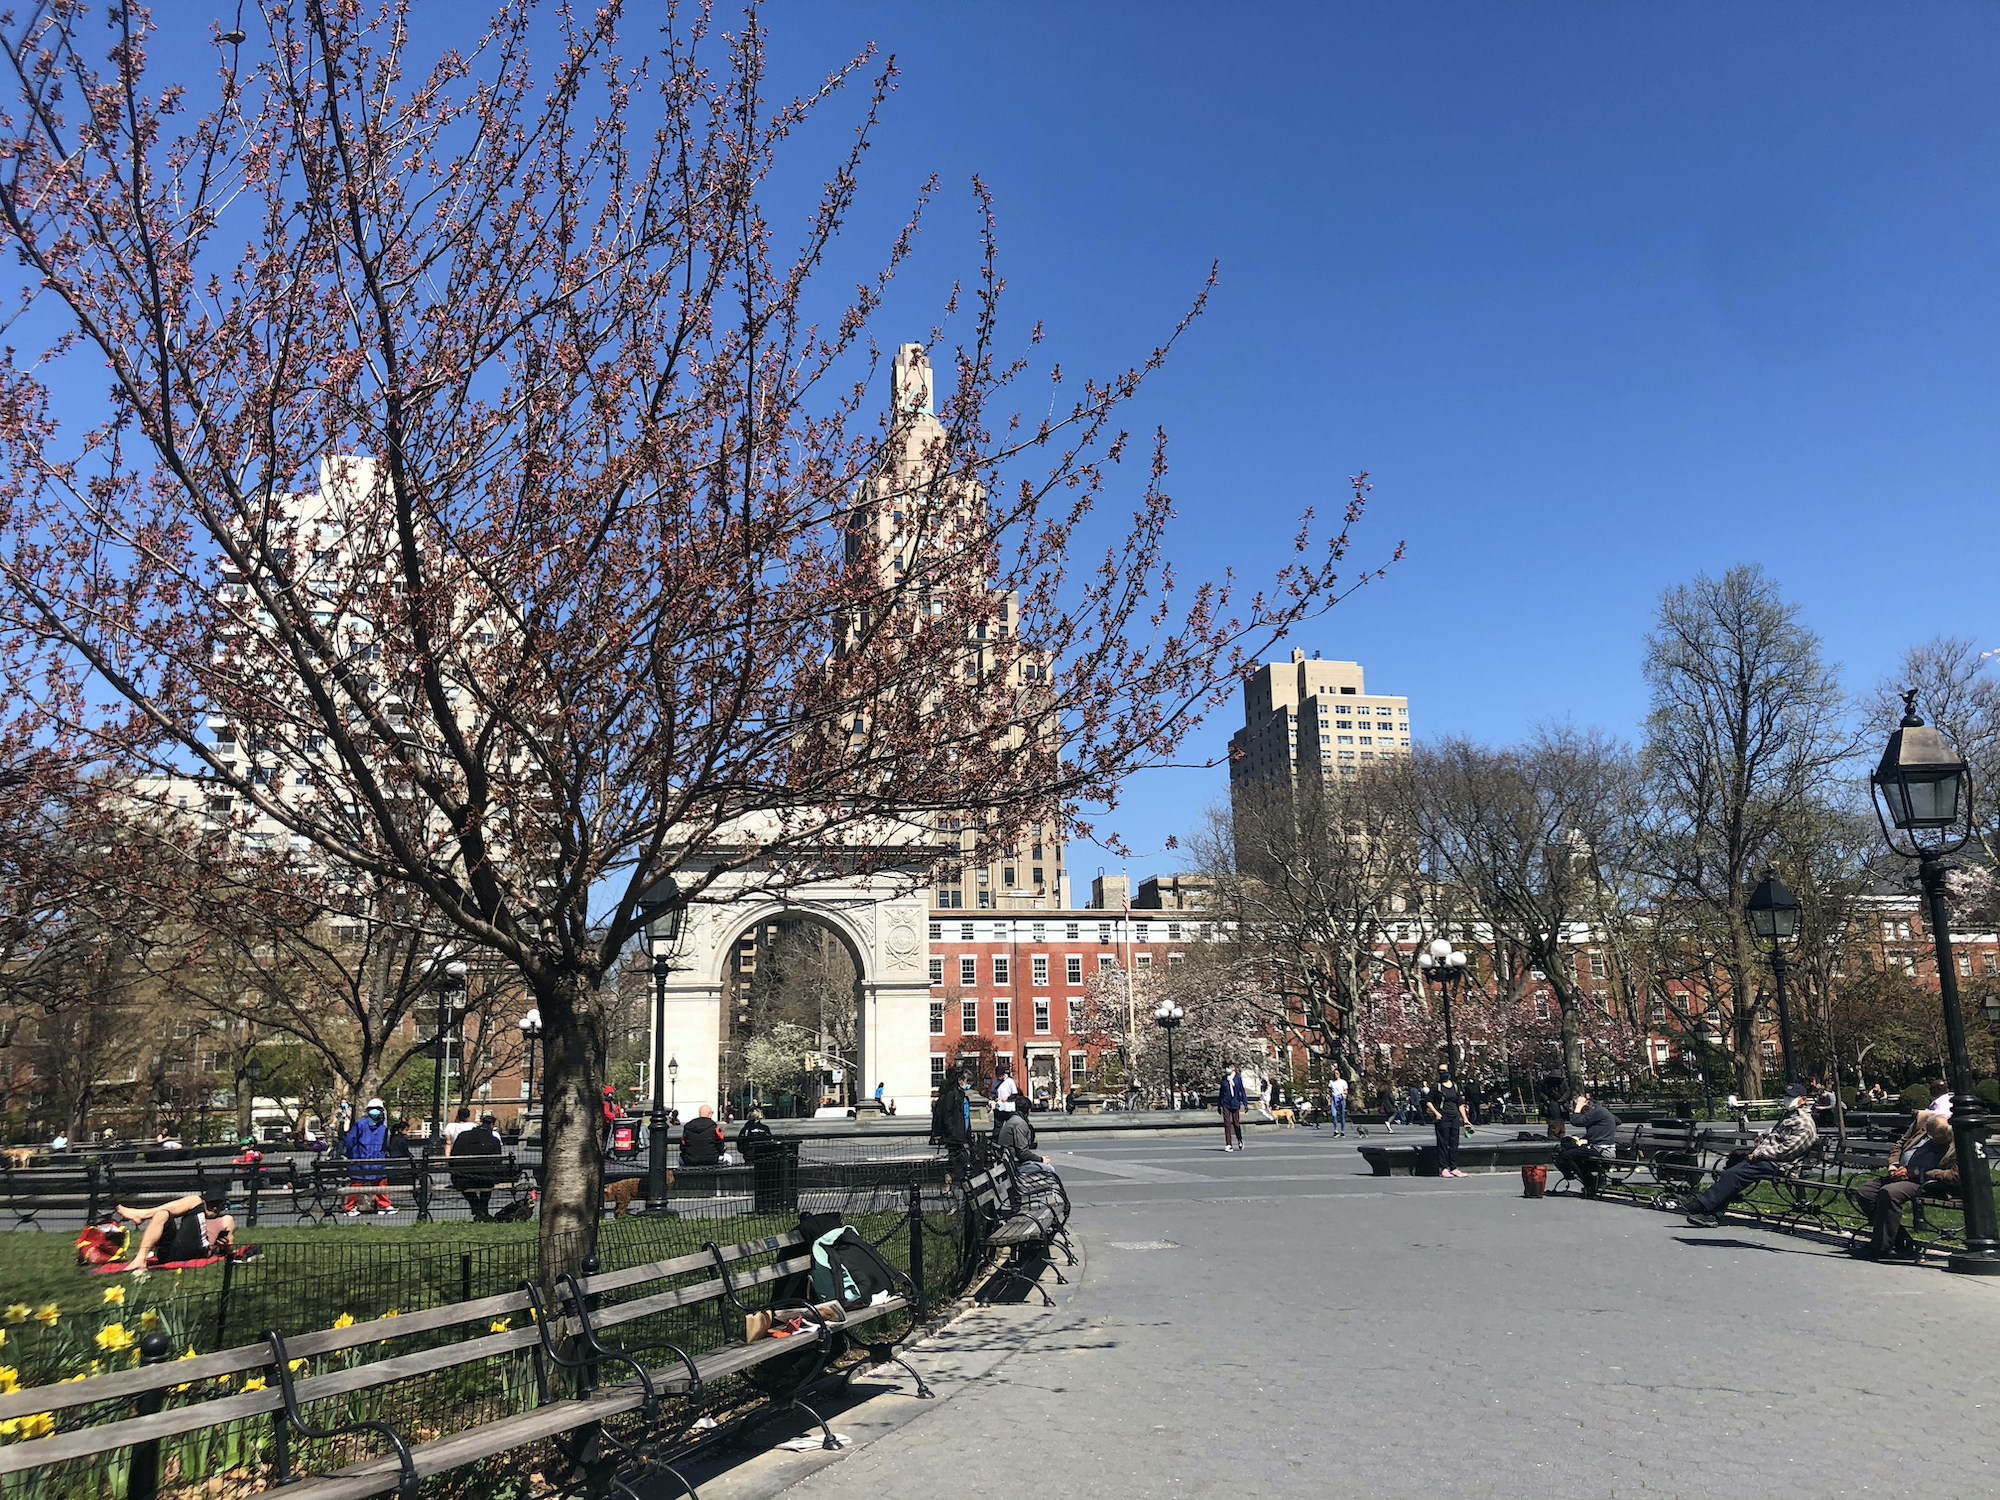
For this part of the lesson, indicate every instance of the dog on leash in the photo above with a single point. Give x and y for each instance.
(1284, 1114)
(618, 1195)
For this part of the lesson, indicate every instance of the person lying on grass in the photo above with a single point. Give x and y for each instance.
(185, 1229)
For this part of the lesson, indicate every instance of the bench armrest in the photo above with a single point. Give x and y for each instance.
(406, 1482)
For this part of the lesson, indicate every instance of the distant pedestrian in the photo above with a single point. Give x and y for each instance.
(1336, 1104)
(1385, 1101)
(367, 1141)
(1555, 1097)
(1446, 1109)
(1413, 1102)
(1231, 1102)
(475, 1162)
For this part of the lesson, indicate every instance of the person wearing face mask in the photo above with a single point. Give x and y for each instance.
(367, 1141)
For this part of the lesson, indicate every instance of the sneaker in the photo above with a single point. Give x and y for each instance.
(1701, 1220)
(354, 1213)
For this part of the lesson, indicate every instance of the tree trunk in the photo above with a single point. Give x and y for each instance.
(1749, 1056)
(1572, 1048)
(572, 1175)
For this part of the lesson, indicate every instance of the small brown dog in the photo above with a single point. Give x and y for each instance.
(20, 1156)
(1284, 1114)
(619, 1195)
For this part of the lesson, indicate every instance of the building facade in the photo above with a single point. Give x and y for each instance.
(1306, 722)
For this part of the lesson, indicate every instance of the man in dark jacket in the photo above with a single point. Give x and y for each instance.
(475, 1160)
(1592, 1140)
(1234, 1098)
(701, 1140)
(951, 1126)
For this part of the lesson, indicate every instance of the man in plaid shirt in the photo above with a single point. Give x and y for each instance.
(1791, 1138)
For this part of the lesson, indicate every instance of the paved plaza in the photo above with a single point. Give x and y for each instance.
(1280, 1323)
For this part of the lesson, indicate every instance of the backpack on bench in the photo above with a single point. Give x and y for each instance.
(846, 1269)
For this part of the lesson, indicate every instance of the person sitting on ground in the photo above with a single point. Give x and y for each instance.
(701, 1140)
(1592, 1141)
(1925, 1158)
(184, 1229)
(1791, 1138)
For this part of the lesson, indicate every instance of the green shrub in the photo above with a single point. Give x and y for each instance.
(1916, 1096)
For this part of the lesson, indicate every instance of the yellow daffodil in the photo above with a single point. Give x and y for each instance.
(189, 1354)
(254, 1383)
(48, 1314)
(41, 1424)
(115, 1295)
(17, 1312)
(113, 1337)
(391, 1313)
(498, 1325)
(10, 1379)
(149, 1319)
(345, 1320)
(73, 1379)
(296, 1365)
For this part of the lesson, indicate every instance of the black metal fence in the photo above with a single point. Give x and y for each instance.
(899, 1202)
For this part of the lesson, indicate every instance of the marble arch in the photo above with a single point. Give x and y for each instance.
(879, 915)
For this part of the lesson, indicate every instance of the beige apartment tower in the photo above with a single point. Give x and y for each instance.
(1308, 722)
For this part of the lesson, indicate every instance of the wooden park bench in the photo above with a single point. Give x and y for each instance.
(581, 1384)
(1022, 1214)
(92, 1188)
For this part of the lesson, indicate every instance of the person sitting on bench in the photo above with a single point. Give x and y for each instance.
(1788, 1140)
(1926, 1156)
(1593, 1139)
(185, 1229)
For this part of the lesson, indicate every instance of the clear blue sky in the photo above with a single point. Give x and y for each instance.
(1601, 295)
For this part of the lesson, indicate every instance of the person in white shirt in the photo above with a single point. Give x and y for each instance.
(1004, 1092)
(1941, 1105)
(1336, 1098)
(458, 1127)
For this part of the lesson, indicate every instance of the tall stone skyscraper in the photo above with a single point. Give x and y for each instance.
(913, 508)
(1307, 723)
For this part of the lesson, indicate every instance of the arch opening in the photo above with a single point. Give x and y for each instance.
(792, 996)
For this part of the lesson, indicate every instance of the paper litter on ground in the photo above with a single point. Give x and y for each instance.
(814, 1440)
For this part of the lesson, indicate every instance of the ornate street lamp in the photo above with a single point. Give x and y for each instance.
(663, 929)
(1442, 965)
(531, 1033)
(1774, 921)
(1168, 1017)
(1924, 789)
(452, 985)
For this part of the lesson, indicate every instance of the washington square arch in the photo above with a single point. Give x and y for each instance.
(875, 902)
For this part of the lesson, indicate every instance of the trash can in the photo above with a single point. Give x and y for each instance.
(774, 1175)
(625, 1138)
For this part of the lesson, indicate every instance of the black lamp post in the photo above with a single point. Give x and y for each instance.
(1168, 1017)
(451, 989)
(662, 932)
(1774, 920)
(1443, 965)
(1924, 788)
(531, 1033)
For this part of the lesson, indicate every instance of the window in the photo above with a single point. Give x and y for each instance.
(1173, 932)
(1041, 1015)
(1074, 967)
(1000, 969)
(1541, 1005)
(1990, 962)
(1144, 961)
(1039, 930)
(937, 1018)
(1144, 934)
(985, 897)
(1660, 1051)
(1070, 931)
(1770, 1049)
(1103, 962)
(1007, 877)
(1597, 966)
(1173, 960)
(937, 931)
(968, 970)
(968, 1017)
(937, 1070)
(1079, 1064)
(1039, 966)
(1003, 1016)
(937, 971)
(1965, 965)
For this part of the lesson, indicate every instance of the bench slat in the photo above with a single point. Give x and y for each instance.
(612, 1281)
(687, 1296)
(128, 1383)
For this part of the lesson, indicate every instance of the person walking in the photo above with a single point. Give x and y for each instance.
(1232, 1101)
(1447, 1113)
(1385, 1101)
(367, 1140)
(1336, 1104)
